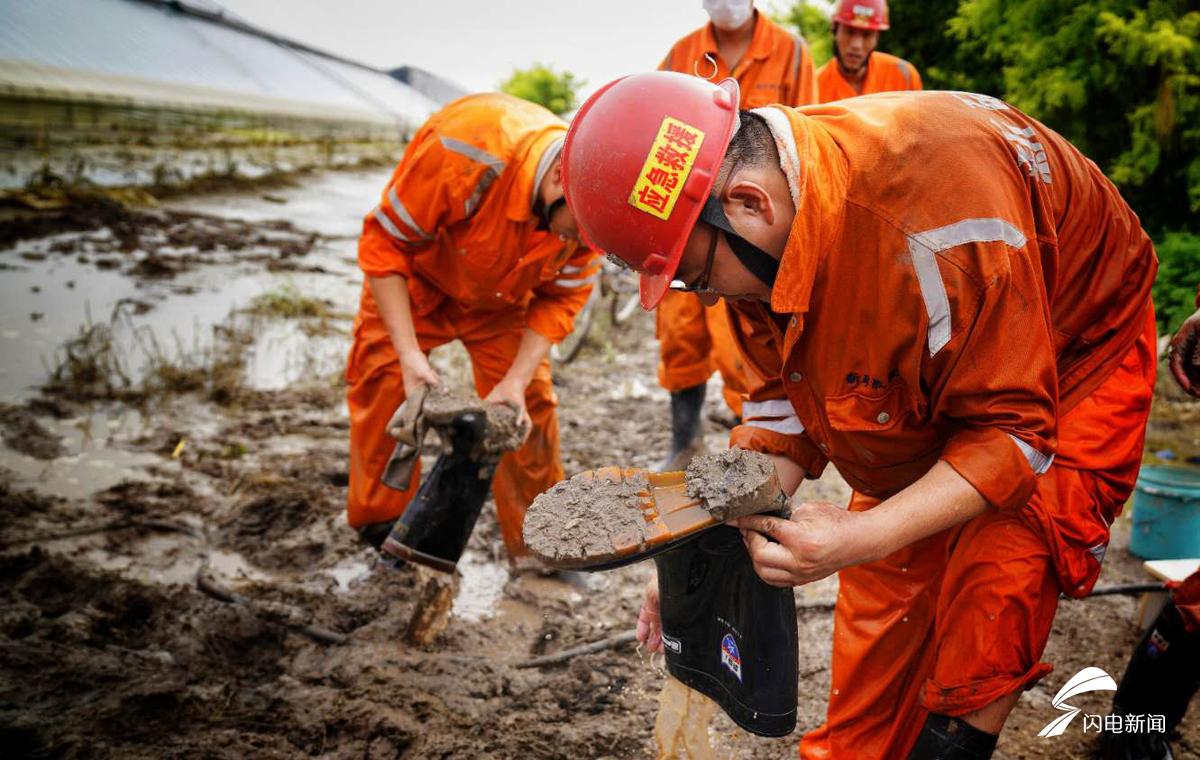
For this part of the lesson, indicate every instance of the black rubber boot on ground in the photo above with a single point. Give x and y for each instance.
(436, 525)
(946, 738)
(374, 534)
(1162, 677)
(686, 437)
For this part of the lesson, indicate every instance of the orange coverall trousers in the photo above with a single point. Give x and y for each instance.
(376, 390)
(693, 340)
(955, 621)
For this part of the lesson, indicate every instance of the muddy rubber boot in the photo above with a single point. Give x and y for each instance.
(946, 738)
(1162, 677)
(724, 417)
(729, 635)
(687, 440)
(436, 525)
(374, 534)
(606, 518)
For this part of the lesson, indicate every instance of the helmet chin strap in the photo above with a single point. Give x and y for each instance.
(760, 263)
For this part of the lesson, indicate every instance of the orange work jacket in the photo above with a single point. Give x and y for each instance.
(885, 73)
(956, 276)
(457, 219)
(777, 67)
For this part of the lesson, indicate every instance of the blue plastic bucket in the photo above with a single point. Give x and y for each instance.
(1166, 513)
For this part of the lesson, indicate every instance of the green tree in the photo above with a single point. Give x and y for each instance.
(1178, 273)
(920, 35)
(542, 85)
(813, 24)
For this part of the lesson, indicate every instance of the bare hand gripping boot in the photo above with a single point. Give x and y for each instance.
(436, 525)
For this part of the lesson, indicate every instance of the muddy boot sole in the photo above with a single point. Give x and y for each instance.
(610, 517)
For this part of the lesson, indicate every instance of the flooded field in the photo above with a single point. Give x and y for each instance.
(171, 407)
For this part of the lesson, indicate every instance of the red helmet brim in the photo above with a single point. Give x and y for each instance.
(653, 287)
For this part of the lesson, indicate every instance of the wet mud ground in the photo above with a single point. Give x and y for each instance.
(113, 503)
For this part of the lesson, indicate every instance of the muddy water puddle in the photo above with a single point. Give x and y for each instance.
(480, 589)
(180, 313)
(161, 320)
(333, 205)
(349, 572)
(92, 456)
(182, 278)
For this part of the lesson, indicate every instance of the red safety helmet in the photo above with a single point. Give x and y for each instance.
(640, 160)
(863, 14)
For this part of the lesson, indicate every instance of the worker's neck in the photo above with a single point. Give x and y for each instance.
(855, 77)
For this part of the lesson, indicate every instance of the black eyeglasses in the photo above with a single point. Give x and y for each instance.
(701, 283)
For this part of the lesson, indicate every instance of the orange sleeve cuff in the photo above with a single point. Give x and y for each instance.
(794, 447)
(378, 256)
(993, 463)
(556, 303)
(551, 319)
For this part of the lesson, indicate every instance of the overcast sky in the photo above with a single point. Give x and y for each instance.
(478, 42)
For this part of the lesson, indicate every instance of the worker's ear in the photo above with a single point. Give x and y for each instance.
(552, 186)
(748, 204)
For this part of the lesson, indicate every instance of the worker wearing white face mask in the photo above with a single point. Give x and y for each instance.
(729, 15)
(772, 65)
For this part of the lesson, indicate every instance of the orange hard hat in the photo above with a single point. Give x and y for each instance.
(639, 162)
(863, 14)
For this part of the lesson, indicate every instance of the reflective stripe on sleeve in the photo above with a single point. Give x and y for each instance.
(788, 426)
(923, 247)
(1038, 461)
(389, 225)
(776, 407)
(402, 212)
(479, 155)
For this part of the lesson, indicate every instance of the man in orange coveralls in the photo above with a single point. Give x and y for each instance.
(952, 305)
(472, 241)
(1163, 674)
(856, 67)
(772, 65)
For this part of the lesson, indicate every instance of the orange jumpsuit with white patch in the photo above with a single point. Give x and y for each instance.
(959, 284)
(885, 73)
(457, 222)
(777, 68)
